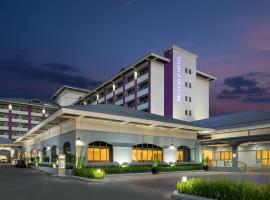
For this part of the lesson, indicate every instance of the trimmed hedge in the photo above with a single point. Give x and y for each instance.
(89, 173)
(223, 189)
(181, 168)
(145, 168)
(123, 170)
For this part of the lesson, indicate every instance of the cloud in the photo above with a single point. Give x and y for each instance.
(247, 88)
(53, 72)
(60, 67)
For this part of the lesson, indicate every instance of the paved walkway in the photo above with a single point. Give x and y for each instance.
(25, 184)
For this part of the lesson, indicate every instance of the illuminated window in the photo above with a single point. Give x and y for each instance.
(99, 152)
(263, 156)
(183, 154)
(146, 153)
(225, 155)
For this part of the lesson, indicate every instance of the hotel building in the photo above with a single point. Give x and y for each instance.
(156, 108)
(168, 85)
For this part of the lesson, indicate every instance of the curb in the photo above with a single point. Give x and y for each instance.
(87, 179)
(150, 173)
(178, 196)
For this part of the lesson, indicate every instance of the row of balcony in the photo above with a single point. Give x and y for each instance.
(23, 113)
(119, 89)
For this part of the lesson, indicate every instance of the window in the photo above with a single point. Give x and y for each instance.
(119, 84)
(189, 71)
(110, 101)
(131, 91)
(143, 71)
(189, 99)
(189, 85)
(225, 155)
(186, 84)
(146, 153)
(44, 151)
(183, 154)
(131, 104)
(67, 148)
(190, 113)
(186, 70)
(186, 98)
(54, 154)
(99, 151)
(263, 156)
(143, 99)
(120, 96)
(143, 85)
(186, 112)
(130, 78)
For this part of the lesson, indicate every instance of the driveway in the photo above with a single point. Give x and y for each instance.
(30, 184)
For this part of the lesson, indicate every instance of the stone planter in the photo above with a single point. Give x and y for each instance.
(179, 196)
(154, 170)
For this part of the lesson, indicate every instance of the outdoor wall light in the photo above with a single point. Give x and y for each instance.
(79, 142)
(135, 75)
(234, 155)
(84, 103)
(172, 147)
(113, 87)
(48, 148)
(10, 107)
(43, 111)
(184, 178)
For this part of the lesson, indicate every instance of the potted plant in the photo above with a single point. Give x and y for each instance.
(205, 163)
(154, 168)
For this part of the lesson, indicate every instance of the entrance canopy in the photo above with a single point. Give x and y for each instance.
(237, 128)
(112, 113)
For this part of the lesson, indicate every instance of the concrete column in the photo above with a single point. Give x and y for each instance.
(169, 155)
(122, 154)
(136, 93)
(29, 117)
(10, 123)
(124, 91)
(234, 155)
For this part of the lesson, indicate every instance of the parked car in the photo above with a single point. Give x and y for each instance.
(20, 164)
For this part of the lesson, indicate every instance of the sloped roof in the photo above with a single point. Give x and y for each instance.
(29, 102)
(5, 141)
(236, 120)
(129, 112)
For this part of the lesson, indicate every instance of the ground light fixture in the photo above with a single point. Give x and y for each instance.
(184, 178)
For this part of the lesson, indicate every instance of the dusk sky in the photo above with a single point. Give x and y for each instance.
(45, 44)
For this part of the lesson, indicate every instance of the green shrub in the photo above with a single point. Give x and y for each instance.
(94, 173)
(70, 158)
(180, 168)
(223, 189)
(45, 159)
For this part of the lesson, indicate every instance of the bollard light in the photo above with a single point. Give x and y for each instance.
(184, 178)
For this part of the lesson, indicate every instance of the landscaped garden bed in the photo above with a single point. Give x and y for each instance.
(87, 171)
(221, 189)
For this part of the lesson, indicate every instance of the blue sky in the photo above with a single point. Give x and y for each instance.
(44, 44)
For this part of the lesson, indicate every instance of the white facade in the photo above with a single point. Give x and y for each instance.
(169, 86)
